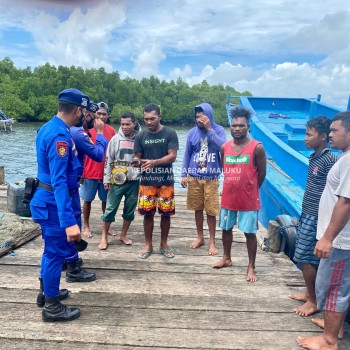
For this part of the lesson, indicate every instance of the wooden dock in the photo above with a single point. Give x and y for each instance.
(158, 303)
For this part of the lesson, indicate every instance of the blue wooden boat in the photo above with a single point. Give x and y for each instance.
(279, 123)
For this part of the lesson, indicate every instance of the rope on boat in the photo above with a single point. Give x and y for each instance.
(272, 163)
(6, 245)
(282, 228)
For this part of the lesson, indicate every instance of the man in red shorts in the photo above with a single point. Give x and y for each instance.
(155, 151)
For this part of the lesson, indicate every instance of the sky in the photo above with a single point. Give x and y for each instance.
(277, 48)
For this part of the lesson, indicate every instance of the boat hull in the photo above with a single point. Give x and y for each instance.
(280, 125)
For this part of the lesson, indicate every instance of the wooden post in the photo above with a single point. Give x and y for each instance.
(2, 174)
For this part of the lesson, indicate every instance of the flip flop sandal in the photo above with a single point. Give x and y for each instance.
(168, 253)
(145, 254)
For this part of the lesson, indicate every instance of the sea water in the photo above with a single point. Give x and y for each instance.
(18, 153)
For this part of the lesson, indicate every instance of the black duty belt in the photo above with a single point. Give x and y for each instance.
(50, 188)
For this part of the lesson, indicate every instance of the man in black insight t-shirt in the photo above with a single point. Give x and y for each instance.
(155, 151)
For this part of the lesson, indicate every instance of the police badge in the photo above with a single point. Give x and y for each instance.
(118, 174)
(61, 148)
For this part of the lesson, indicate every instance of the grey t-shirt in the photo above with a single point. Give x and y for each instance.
(338, 184)
(154, 146)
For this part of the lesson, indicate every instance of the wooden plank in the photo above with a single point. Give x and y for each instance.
(236, 301)
(2, 174)
(144, 317)
(158, 283)
(23, 344)
(154, 337)
(181, 263)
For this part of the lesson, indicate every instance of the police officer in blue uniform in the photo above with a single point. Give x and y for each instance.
(82, 137)
(85, 146)
(56, 204)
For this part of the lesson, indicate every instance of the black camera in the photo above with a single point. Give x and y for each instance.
(81, 245)
(31, 183)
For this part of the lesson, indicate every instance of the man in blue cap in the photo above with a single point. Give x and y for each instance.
(82, 138)
(96, 151)
(56, 204)
(84, 145)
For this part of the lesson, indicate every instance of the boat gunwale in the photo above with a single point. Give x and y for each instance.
(276, 148)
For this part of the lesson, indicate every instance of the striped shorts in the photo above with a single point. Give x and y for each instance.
(333, 281)
(306, 240)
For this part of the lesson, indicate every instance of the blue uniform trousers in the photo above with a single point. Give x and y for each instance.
(56, 248)
(73, 253)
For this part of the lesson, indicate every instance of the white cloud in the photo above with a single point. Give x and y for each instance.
(259, 46)
(285, 80)
(185, 73)
(147, 61)
(81, 39)
(324, 37)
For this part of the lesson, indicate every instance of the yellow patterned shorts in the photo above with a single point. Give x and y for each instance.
(151, 197)
(203, 194)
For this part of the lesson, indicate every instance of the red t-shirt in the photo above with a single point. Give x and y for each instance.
(92, 169)
(241, 186)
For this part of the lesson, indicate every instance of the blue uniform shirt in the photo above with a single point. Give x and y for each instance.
(58, 166)
(85, 146)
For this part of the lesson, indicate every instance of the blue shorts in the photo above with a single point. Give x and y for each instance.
(247, 220)
(333, 281)
(89, 189)
(306, 240)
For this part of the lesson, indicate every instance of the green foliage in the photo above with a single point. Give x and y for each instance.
(31, 95)
(16, 108)
(119, 109)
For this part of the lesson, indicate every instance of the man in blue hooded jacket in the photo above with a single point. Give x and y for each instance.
(201, 169)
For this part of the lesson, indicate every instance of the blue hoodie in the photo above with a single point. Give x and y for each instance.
(202, 153)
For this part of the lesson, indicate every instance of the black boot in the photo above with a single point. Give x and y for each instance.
(40, 299)
(75, 273)
(54, 311)
(80, 263)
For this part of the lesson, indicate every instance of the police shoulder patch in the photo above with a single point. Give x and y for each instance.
(62, 148)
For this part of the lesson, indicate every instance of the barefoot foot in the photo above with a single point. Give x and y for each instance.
(316, 343)
(198, 243)
(222, 263)
(103, 245)
(86, 232)
(111, 233)
(251, 276)
(299, 296)
(319, 322)
(213, 250)
(306, 309)
(125, 240)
